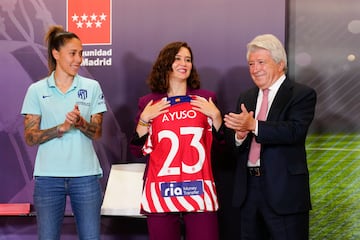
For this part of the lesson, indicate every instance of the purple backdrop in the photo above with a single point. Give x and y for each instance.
(217, 31)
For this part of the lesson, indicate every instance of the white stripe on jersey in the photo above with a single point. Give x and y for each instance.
(148, 146)
(171, 205)
(208, 202)
(210, 205)
(155, 198)
(144, 202)
(185, 204)
(199, 200)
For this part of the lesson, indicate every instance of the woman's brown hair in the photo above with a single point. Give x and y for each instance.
(158, 79)
(55, 38)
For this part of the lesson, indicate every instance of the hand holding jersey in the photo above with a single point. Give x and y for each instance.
(179, 177)
(208, 108)
(151, 110)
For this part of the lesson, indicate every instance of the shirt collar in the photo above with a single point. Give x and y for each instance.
(275, 87)
(51, 81)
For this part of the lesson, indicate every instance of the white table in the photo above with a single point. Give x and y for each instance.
(123, 190)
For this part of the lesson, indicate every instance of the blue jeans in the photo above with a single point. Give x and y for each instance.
(50, 202)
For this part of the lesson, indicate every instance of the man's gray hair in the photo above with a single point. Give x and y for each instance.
(272, 44)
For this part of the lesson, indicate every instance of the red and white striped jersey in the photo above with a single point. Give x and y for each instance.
(179, 177)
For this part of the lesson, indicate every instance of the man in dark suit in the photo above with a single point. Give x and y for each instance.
(271, 184)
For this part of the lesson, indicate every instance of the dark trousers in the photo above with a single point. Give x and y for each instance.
(196, 226)
(260, 222)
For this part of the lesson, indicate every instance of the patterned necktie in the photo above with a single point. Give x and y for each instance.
(254, 153)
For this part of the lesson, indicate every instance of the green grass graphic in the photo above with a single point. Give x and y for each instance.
(334, 165)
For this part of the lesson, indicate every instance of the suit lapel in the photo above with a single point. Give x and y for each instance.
(250, 101)
(282, 98)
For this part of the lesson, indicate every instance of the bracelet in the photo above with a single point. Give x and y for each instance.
(143, 123)
(59, 133)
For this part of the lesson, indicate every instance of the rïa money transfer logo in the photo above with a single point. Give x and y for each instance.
(179, 189)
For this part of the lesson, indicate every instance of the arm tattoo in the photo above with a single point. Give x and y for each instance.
(33, 134)
(93, 129)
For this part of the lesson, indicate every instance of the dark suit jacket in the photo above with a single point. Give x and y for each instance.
(283, 156)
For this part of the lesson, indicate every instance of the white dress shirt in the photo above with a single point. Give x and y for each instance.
(273, 89)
